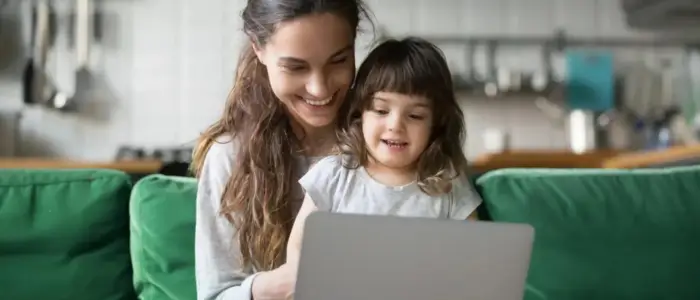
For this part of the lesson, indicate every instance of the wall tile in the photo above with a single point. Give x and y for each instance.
(480, 17)
(167, 66)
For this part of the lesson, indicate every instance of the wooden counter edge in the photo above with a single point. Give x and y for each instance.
(643, 159)
(541, 159)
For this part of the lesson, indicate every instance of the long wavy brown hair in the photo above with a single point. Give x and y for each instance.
(257, 199)
(416, 67)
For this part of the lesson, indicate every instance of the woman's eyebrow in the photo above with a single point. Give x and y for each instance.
(342, 50)
(289, 59)
(295, 60)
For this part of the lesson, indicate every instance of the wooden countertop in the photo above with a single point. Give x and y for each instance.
(609, 159)
(643, 159)
(135, 167)
(512, 159)
(519, 159)
(542, 159)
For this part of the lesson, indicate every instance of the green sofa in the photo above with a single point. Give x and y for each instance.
(600, 234)
(92, 235)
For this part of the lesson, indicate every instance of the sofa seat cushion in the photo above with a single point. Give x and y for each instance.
(64, 235)
(162, 237)
(604, 234)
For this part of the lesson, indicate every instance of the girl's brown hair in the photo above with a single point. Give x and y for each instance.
(257, 198)
(411, 66)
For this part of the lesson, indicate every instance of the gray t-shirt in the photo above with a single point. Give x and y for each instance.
(335, 188)
(219, 275)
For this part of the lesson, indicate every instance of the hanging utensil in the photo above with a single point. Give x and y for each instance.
(34, 77)
(83, 12)
(490, 86)
(82, 32)
(39, 87)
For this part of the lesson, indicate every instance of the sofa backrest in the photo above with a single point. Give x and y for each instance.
(64, 235)
(162, 237)
(624, 234)
(604, 234)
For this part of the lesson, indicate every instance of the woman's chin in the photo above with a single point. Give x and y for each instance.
(314, 116)
(316, 122)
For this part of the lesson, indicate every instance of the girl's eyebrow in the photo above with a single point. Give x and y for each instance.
(422, 104)
(419, 104)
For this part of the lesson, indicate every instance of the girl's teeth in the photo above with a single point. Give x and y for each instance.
(318, 102)
(395, 144)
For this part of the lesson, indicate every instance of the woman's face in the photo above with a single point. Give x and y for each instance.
(311, 63)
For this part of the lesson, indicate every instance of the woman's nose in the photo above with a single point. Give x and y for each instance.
(318, 86)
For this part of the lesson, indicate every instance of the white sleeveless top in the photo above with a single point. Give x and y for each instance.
(335, 188)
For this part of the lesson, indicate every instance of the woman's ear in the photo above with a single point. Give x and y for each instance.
(259, 52)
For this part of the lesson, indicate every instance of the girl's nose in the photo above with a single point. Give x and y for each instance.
(395, 123)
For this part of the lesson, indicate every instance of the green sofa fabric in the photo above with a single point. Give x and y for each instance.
(64, 235)
(162, 237)
(600, 234)
(604, 234)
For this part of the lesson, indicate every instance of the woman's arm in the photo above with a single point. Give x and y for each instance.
(295, 237)
(218, 273)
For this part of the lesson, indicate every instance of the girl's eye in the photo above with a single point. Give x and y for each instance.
(417, 117)
(381, 111)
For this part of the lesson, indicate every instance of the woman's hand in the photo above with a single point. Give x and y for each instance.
(277, 284)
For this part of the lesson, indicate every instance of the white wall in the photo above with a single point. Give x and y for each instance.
(166, 66)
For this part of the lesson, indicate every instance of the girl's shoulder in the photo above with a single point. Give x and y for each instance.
(334, 162)
(332, 170)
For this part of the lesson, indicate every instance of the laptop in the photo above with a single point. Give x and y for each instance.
(352, 257)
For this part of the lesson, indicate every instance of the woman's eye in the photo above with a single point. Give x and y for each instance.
(292, 68)
(381, 111)
(417, 117)
(340, 61)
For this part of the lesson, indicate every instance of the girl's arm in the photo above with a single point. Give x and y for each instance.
(321, 184)
(474, 216)
(295, 237)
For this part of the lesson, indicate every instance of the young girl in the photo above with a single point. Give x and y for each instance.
(400, 136)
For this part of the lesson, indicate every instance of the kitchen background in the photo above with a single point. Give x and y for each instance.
(159, 70)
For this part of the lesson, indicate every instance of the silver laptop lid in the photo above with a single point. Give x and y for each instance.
(351, 257)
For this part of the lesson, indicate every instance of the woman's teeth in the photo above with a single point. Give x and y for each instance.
(318, 102)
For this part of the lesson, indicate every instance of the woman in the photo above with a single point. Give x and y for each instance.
(279, 119)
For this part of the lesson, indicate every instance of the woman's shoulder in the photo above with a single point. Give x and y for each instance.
(218, 160)
(223, 149)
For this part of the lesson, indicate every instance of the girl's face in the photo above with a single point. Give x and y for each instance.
(397, 129)
(311, 63)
